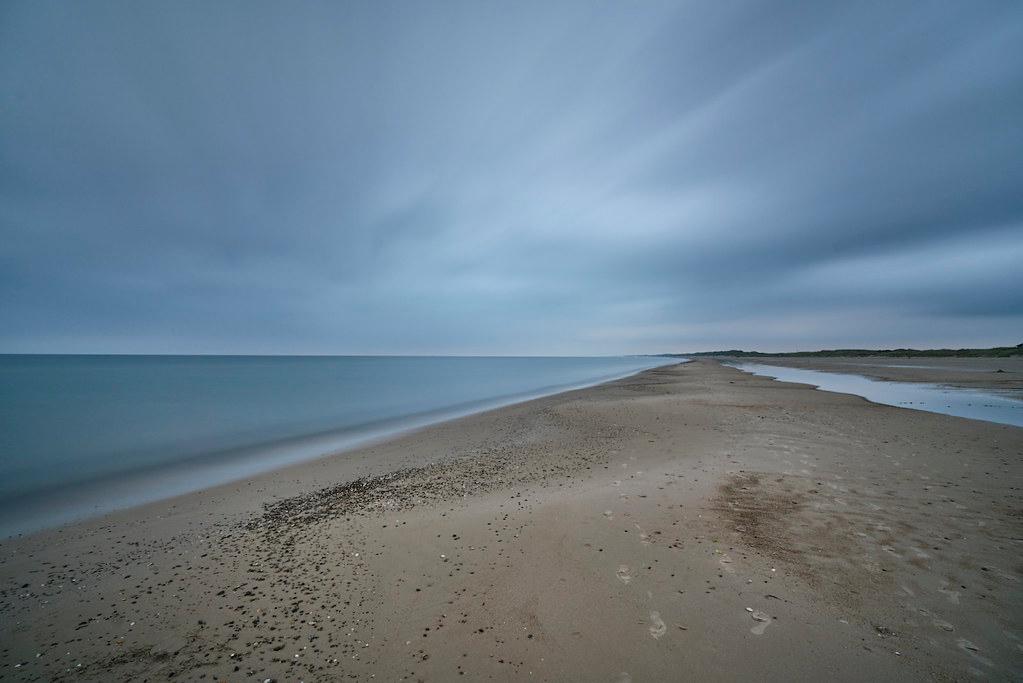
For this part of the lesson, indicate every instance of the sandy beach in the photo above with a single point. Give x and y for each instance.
(1004, 375)
(692, 522)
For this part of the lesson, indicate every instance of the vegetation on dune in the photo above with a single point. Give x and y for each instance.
(995, 352)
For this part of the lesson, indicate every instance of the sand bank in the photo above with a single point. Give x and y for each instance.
(690, 523)
(992, 374)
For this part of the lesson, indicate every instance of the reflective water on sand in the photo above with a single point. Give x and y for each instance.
(935, 398)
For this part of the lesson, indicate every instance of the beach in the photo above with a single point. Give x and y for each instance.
(988, 374)
(691, 522)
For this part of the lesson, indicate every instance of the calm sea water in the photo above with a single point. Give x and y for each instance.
(935, 398)
(83, 435)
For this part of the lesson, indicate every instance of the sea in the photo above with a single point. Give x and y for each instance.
(82, 435)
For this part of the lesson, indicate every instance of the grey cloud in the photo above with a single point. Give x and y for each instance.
(483, 178)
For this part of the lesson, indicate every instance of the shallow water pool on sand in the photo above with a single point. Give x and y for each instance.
(935, 398)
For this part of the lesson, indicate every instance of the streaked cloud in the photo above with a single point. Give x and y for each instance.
(490, 178)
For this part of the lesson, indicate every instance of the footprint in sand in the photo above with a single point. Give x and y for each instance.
(1002, 573)
(657, 626)
(953, 596)
(623, 574)
(763, 622)
(974, 651)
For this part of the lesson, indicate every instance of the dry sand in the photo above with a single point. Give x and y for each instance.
(689, 523)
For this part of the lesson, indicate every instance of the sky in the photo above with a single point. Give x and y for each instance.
(565, 178)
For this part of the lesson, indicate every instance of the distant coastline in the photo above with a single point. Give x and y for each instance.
(993, 352)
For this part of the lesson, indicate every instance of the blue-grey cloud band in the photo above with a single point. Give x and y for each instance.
(390, 177)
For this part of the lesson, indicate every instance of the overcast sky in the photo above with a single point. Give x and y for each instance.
(509, 178)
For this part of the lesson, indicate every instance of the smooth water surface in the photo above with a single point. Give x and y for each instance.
(935, 398)
(86, 434)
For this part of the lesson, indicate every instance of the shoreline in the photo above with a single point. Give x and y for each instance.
(964, 373)
(972, 403)
(669, 519)
(50, 508)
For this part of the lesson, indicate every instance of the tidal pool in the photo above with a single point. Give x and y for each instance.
(935, 398)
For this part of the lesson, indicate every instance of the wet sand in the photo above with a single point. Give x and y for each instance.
(1003, 375)
(690, 523)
